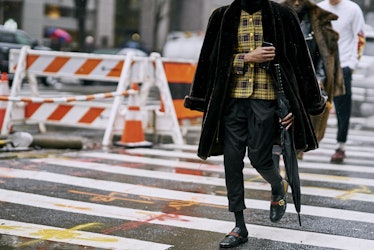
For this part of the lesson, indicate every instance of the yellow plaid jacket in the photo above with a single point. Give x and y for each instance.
(250, 81)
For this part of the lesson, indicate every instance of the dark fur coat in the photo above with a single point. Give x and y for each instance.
(211, 86)
(327, 42)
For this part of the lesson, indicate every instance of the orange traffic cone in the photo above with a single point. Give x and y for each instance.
(4, 91)
(132, 134)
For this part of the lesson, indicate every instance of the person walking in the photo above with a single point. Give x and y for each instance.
(322, 42)
(234, 87)
(349, 25)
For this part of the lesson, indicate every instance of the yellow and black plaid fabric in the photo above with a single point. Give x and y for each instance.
(251, 81)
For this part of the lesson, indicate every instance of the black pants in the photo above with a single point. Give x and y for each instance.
(252, 124)
(343, 106)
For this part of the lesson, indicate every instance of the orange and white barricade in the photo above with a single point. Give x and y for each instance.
(76, 112)
(4, 90)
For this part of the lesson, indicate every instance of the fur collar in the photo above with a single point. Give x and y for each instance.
(230, 23)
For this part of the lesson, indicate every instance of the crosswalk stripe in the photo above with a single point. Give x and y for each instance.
(190, 197)
(318, 158)
(302, 164)
(219, 168)
(72, 236)
(159, 218)
(204, 180)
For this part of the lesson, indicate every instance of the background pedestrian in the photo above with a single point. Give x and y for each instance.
(349, 25)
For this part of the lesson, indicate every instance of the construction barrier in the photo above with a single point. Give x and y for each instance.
(180, 76)
(4, 90)
(82, 111)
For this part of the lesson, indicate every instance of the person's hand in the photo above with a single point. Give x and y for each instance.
(260, 55)
(287, 121)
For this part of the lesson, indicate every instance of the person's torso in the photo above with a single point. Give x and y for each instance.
(344, 25)
(256, 82)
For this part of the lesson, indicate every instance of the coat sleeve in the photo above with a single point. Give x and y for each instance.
(200, 88)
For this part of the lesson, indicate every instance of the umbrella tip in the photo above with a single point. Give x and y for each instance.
(298, 214)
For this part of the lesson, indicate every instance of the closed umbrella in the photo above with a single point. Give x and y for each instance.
(288, 147)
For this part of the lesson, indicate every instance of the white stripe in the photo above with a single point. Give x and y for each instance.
(204, 180)
(104, 67)
(219, 168)
(74, 114)
(302, 164)
(159, 218)
(72, 65)
(322, 152)
(347, 161)
(83, 238)
(40, 64)
(180, 195)
(43, 112)
(336, 167)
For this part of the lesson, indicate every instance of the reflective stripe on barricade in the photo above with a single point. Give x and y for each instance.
(64, 99)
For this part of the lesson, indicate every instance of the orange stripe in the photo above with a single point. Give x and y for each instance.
(49, 100)
(30, 60)
(71, 99)
(90, 97)
(134, 108)
(188, 171)
(116, 71)
(184, 113)
(179, 72)
(91, 115)
(56, 64)
(59, 112)
(31, 108)
(88, 66)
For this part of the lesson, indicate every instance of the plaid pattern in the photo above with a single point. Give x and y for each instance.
(250, 81)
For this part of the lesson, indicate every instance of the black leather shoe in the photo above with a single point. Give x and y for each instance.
(278, 204)
(233, 239)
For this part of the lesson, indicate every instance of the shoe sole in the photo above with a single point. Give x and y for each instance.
(337, 161)
(242, 241)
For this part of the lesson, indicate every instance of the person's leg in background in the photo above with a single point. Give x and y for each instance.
(343, 107)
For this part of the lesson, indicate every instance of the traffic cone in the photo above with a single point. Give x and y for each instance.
(132, 134)
(4, 91)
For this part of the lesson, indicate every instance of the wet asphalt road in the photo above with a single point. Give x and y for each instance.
(165, 198)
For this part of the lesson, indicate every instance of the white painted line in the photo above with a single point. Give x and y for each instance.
(189, 197)
(336, 167)
(195, 223)
(205, 180)
(219, 168)
(175, 154)
(325, 158)
(72, 236)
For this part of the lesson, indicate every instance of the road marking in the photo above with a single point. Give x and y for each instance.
(159, 218)
(190, 156)
(219, 168)
(204, 180)
(73, 236)
(179, 195)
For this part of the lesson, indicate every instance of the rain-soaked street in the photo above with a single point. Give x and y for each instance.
(164, 197)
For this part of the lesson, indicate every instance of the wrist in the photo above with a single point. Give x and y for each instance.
(247, 57)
